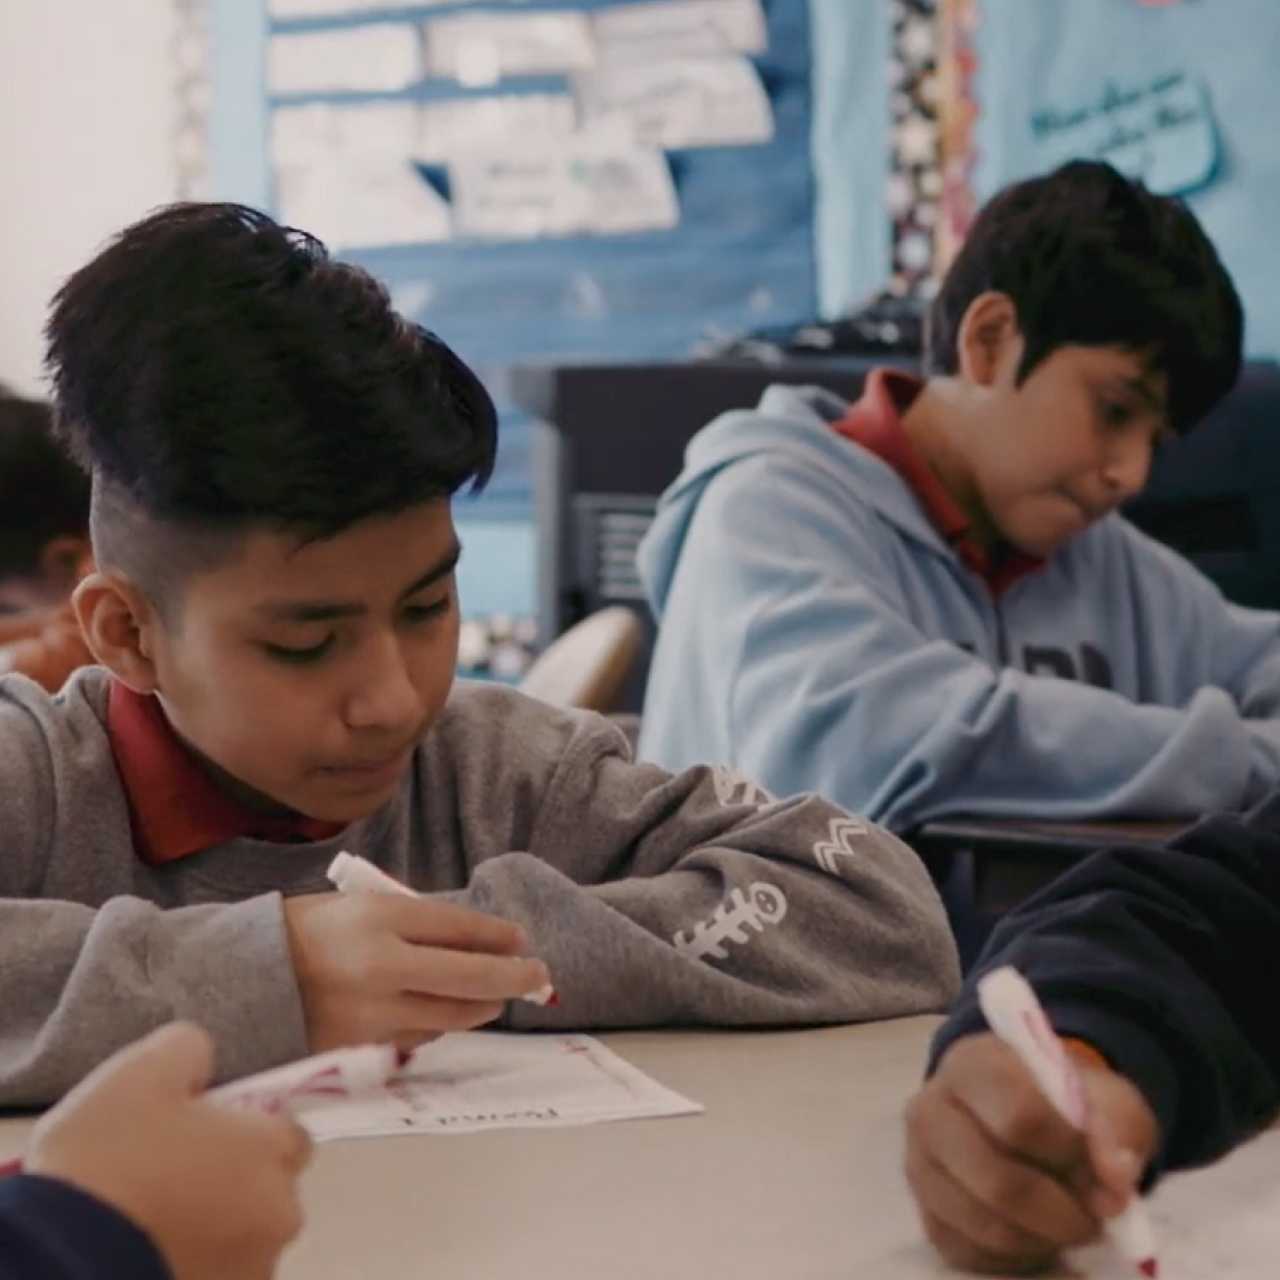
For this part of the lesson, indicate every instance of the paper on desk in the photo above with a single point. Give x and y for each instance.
(472, 1080)
(1221, 1223)
(1218, 1223)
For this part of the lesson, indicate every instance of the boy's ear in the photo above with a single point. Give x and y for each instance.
(118, 621)
(989, 339)
(61, 559)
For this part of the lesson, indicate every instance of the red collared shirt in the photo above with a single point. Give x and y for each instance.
(875, 422)
(175, 805)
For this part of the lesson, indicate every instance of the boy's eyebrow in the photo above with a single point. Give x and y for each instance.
(325, 610)
(1145, 391)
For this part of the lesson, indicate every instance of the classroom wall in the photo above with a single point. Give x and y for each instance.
(86, 123)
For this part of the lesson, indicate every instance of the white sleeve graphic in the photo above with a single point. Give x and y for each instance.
(753, 908)
(838, 844)
(733, 787)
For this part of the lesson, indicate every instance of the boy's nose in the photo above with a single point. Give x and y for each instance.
(386, 697)
(1125, 472)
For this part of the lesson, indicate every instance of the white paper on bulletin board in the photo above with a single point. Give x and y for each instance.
(384, 56)
(592, 185)
(484, 123)
(335, 8)
(429, 132)
(479, 49)
(324, 130)
(684, 102)
(1158, 128)
(680, 28)
(355, 202)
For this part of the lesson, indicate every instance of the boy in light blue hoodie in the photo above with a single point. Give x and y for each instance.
(925, 603)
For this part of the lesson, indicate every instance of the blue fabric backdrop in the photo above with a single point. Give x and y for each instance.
(1187, 94)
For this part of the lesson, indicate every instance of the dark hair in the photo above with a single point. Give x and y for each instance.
(1092, 258)
(43, 494)
(222, 371)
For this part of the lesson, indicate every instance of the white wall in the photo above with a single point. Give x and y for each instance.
(87, 106)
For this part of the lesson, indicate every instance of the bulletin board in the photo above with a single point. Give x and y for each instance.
(577, 179)
(1182, 93)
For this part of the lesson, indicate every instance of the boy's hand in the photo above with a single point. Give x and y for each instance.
(381, 967)
(1002, 1181)
(215, 1189)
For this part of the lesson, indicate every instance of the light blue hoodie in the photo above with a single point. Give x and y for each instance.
(817, 633)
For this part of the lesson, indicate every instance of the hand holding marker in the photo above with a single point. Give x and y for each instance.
(340, 1073)
(1014, 1014)
(352, 874)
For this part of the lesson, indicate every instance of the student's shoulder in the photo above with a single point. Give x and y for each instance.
(1115, 546)
(30, 715)
(488, 720)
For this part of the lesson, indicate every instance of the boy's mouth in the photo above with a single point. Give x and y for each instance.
(372, 771)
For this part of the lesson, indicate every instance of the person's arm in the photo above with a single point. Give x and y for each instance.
(79, 981)
(658, 899)
(55, 1231)
(791, 605)
(1160, 959)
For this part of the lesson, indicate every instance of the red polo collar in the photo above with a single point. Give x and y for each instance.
(875, 422)
(175, 806)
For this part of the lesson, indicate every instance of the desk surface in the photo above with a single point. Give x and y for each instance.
(793, 1173)
(1070, 838)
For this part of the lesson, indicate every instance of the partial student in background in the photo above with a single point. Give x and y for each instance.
(1154, 965)
(274, 453)
(135, 1177)
(926, 602)
(44, 546)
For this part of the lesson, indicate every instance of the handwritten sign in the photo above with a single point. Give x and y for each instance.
(1160, 130)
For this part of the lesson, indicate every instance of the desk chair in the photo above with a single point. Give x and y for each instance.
(984, 867)
(589, 664)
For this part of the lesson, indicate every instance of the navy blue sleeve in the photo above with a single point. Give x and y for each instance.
(1168, 961)
(54, 1231)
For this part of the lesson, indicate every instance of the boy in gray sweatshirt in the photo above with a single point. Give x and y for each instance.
(273, 453)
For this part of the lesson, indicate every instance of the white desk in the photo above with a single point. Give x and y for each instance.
(793, 1173)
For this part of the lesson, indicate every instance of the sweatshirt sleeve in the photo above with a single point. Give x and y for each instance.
(825, 682)
(54, 1231)
(658, 899)
(1159, 958)
(79, 981)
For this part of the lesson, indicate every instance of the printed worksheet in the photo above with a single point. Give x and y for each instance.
(472, 1080)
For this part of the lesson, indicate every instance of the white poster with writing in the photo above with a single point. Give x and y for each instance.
(680, 28)
(587, 186)
(683, 102)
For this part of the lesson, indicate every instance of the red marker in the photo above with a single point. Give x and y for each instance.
(1014, 1014)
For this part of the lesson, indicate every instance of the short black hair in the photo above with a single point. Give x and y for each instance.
(43, 493)
(219, 371)
(1093, 258)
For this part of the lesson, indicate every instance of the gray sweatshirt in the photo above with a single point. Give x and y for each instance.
(654, 899)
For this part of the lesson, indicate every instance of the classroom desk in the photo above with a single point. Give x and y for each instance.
(793, 1173)
(986, 866)
(1012, 857)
